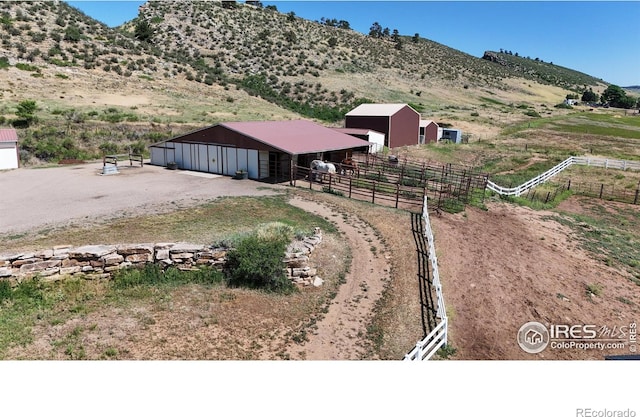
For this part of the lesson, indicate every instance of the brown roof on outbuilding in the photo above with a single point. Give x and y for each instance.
(8, 135)
(296, 137)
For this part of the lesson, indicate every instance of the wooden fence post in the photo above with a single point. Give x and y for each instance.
(295, 174)
(373, 193)
(397, 194)
(350, 179)
(635, 200)
(569, 185)
(601, 189)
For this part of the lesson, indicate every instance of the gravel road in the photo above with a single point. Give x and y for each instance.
(33, 198)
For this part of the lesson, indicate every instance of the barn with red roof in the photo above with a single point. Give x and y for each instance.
(264, 149)
(399, 122)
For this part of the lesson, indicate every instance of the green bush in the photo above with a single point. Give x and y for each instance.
(256, 262)
(109, 148)
(138, 147)
(5, 290)
(27, 67)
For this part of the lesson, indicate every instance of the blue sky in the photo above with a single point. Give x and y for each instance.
(600, 38)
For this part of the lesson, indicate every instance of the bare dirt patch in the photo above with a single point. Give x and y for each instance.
(507, 266)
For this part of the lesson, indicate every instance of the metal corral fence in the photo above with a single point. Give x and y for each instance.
(376, 192)
(545, 176)
(446, 185)
(437, 338)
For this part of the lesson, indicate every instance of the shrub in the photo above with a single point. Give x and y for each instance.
(256, 262)
(138, 147)
(5, 290)
(26, 67)
(595, 289)
(109, 148)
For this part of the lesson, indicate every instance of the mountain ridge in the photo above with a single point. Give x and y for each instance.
(204, 63)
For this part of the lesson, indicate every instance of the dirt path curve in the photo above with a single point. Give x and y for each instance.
(341, 333)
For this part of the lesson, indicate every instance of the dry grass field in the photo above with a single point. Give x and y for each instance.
(502, 264)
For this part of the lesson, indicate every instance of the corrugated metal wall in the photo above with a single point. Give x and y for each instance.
(212, 158)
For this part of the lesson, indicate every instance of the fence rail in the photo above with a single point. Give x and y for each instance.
(376, 192)
(572, 160)
(437, 338)
(447, 185)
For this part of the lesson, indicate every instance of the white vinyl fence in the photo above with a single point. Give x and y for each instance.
(572, 160)
(428, 346)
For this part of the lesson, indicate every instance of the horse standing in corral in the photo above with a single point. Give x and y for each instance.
(320, 168)
(349, 166)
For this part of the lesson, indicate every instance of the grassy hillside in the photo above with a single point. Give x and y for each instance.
(199, 63)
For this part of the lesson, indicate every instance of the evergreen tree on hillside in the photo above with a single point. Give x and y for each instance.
(375, 31)
(144, 31)
(589, 96)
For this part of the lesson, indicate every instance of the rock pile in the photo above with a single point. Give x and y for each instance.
(100, 261)
(296, 258)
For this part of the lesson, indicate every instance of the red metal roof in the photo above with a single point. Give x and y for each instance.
(8, 135)
(296, 137)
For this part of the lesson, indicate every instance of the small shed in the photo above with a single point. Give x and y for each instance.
(399, 122)
(428, 131)
(265, 149)
(452, 135)
(9, 154)
(376, 139)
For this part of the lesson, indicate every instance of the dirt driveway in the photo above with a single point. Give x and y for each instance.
(36, 198)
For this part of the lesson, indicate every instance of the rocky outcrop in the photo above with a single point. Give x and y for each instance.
(493, 57)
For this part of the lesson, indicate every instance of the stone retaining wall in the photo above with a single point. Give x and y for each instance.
(99, 261)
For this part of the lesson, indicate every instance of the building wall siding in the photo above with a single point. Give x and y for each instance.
(431, 133)
(8, 155)
(377, 123)
(405, 128)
